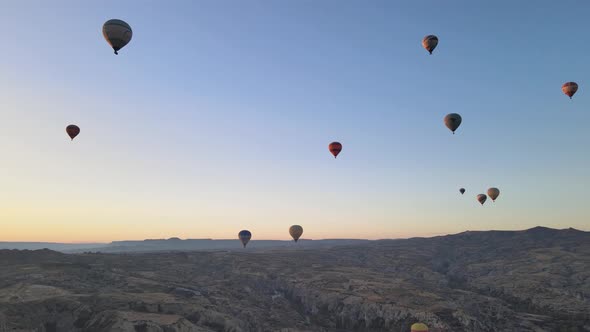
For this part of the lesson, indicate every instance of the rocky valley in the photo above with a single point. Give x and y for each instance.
(533, 280)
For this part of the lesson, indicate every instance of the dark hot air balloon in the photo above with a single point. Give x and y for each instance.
(453, 121)
(117, 33)
(295, 232)
(569, 88)
(245, 237)
(335, 148)
(481, 198)
(493, 193)
(462, 191)
(72, 131)
(429, 43)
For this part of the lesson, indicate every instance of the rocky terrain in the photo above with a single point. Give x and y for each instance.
(533, 280)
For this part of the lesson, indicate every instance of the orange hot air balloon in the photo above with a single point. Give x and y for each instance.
(481, 198)
(419, 327)
(295, 231)
(72, 131)
(335, 148)
(569, 88)
(429, 43)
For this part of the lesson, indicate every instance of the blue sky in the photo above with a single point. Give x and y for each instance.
(217, 116)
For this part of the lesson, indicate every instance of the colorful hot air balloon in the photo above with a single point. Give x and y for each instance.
(419, 327)
(429, 43)
(117, 33)
(335, 148)
(295, 232)
(244, 236)
(569, 88)
(481, 198)
(462, 191)
(72, 131)
(493, 193)
(453, 121)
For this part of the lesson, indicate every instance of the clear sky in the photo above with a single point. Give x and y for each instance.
(218, 115)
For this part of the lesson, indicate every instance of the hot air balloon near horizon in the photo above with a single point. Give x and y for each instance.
(72, 131)
(429, 43)
(453, 121)
(481, 198)
(117, 33)
(493, 193)
(462, 191)
(419, 327)
(295, 231)
(245, 237)
(569, 88)
(335, 148)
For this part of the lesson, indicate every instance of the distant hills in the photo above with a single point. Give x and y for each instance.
(176, 244)
(64, 247)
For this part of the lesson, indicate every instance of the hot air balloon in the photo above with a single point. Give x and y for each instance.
(419, 327)
(493, 193)
(481, 198)
(72, 131)
(453, 121)
(569, 88)
(462, 191)
(429, 43)
(244, 236)
(335, 148)
(117, 33)
(295, 232)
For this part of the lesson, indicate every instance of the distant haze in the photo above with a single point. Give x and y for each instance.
(218, 114)
(175, 244)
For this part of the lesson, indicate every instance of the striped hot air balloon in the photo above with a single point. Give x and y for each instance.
(117, 33)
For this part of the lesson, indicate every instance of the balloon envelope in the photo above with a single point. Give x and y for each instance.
(481, 198)
(453, 121)
(493, 193)
(72, 131)
(419, 327)
(429, 43)
(117, 33)
(462, 191)
(335, 148)
(245, 237)
(569, 88)
(296, 231)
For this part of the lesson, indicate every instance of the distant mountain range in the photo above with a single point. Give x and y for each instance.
(63, 247)
(176, 244)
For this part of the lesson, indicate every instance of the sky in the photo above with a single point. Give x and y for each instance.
(218, 114)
